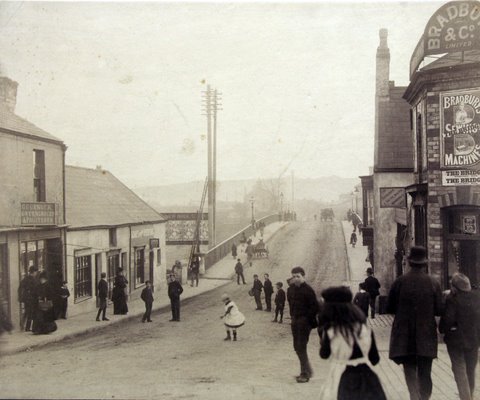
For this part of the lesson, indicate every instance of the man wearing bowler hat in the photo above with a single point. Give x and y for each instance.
(415, 298)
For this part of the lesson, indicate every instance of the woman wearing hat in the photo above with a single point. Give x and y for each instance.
(461, 327)
(415, 298)
(233, 318)
(346, 339)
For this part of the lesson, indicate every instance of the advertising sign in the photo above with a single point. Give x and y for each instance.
(454, 27)
(470, 224)
(33, 214)
(460, 129)
(393, 197)
(461, 177)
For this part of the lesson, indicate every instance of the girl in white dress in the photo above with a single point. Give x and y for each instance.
(350, 346)
(233, 318)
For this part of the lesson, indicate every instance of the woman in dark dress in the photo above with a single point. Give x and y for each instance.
(44, 317)
(119, 297)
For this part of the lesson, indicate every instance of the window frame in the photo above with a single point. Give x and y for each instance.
(82, 285)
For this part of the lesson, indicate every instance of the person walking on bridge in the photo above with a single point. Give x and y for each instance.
(304, 309)
(239, 272)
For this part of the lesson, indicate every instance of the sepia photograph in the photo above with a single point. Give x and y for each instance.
(259, 200)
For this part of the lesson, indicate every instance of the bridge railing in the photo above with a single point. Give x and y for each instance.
(224, 248)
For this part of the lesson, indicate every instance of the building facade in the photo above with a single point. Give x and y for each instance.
(32, 201)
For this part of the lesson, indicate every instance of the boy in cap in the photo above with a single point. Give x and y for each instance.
(279, 302)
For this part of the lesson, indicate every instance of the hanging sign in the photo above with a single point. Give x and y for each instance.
(460, 129)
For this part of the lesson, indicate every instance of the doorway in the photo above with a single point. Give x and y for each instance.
(151, 268)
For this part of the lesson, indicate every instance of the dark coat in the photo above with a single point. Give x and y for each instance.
(461, 321)
(268, 287)
(257, 286)
(26, 290)
(362, 300)
(102, 289)
(234, 250)
(174, 290)
(304, 304)
(238, 268)
(147, 295)
(289, 298)
(415, 298)
(280, 298)
(372, 286)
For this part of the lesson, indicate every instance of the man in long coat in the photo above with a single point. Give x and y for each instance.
(415, 298)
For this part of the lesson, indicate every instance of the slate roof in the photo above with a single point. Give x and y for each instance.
(94, 197)
(15, 124)
(395, 143)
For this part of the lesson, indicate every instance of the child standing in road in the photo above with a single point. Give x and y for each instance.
(279, 302)
(233, 318)
(362, 298)
(147, 297)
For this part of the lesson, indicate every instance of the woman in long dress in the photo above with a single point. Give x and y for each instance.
(44, 315)
(232, 318)
(350, 346)
(119, 297)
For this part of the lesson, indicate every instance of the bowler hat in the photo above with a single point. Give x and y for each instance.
(417, 256)
(337, 294)
(225, 297)
(461, 282)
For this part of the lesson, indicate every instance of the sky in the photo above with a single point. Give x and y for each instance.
(121, 83)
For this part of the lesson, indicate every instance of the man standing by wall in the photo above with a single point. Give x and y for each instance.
(415, 298)
(26, 295)
(372, 286)
(174, 291)
(304, 309)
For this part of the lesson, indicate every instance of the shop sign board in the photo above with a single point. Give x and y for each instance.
(392, 197)
(33, 214)
(460, 129)
(461, 177)
(470, 224)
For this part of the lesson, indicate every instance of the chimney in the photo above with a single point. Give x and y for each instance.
(8, 93)
(383, 65)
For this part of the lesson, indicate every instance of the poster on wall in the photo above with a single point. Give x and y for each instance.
(470, 224)
(460, 130)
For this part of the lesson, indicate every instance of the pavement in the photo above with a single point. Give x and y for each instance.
(391, 374)
(219, 274)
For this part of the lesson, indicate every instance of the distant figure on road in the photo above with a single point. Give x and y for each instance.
(461, 326)
(372, 286)
(249, 251)
(239, 272)
(268, 291)
(147, 297)
(362, 299)
(243, 239)
(26, 295)
(234, 250)
(415, 298)
(353, 239)
(174, 291)
(232, 319)
(257, 291)
(346, 339)
(304, 310)
(119, 296)
(102, 290)
(279, 303)
(194, 271)
(64, 294)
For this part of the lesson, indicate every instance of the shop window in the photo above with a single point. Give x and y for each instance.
(83, 277)
(39, 175)
(139, 265)
(124, 260)
(112, 235)
(159, 256)
(32, 254)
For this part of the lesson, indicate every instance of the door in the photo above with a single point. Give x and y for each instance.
(151, 268)
(98, 272)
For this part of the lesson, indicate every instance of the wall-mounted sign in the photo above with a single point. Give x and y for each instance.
(393, 197)
(469, 223)
(453, 28)
(460, 129)
(461, 177)
(37, 214)
(154, 243)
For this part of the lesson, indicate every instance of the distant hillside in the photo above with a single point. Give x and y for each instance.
(186, 196)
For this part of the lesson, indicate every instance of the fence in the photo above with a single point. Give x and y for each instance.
(223, 249)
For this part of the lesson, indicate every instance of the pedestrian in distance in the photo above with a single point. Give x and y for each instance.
(102, 293)
(232, 318)
(44, 319)
(174, 291)
(147, 297)
(268, 291)
(257, 292)
(349, 343)
(304, 310)
(249, 252)
(119, 296)
(415, 298)
(26, 295)
(63, 294)
(362, 299)
(239, 272)
(279, 303)
(194, 271)
(353, 239)
(234, 250)
(461, 326)
(372, 286)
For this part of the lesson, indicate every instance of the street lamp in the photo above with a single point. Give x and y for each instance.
(252, 202)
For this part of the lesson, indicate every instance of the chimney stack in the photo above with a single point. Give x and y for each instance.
(383, 65)
(8, 93)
